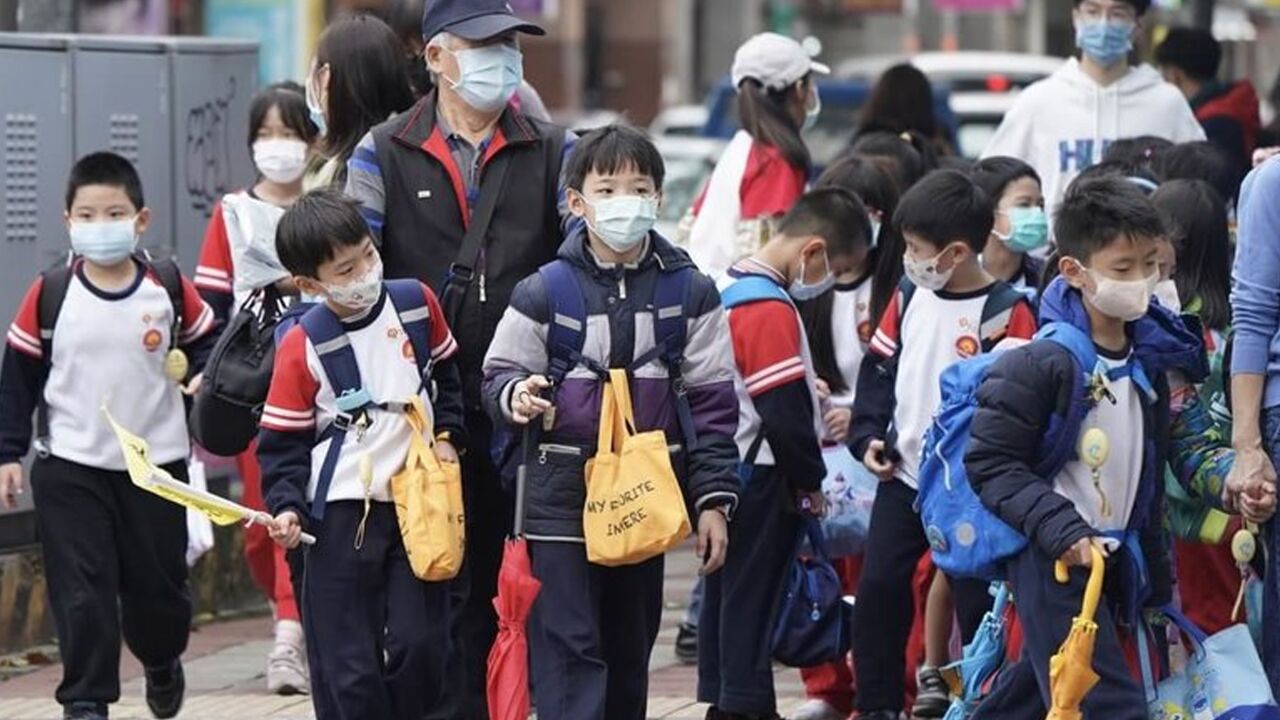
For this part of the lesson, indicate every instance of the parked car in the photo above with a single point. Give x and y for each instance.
(680, 121)
(982, 85)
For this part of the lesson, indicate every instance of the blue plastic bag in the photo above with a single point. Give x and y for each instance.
(850, 489)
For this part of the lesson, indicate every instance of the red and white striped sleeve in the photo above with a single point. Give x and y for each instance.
(24, 332)
(885, 340)
(766, 345)
(215, 271)
(443, 344)
(197, 316)
(291, 400)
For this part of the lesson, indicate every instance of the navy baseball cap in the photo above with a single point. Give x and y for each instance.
(473, 19)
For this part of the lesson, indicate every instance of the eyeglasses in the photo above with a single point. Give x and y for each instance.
(1117, 13)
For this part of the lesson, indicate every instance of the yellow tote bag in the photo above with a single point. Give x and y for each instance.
(635, 509)
(428, 497)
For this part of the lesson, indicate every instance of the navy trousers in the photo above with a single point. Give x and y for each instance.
(376, 634)
(740, 603)
(1022, 692)
(590, 634)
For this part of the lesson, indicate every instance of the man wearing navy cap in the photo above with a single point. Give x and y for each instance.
(463, 191)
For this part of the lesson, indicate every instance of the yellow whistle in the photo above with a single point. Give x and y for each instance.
(1094, 448)
(1243, 546)
(176, 365)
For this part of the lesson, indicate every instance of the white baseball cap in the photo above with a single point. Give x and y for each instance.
(775, 60)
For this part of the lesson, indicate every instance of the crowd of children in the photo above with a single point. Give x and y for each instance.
(829, 321)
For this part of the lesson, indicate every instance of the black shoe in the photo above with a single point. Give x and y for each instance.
(933, 697)
(687, 645)
(165, 690)
(84, 711)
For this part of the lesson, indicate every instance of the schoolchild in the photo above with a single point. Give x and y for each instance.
(112, 327)
(375, 633)
(629, 299)
(948, 309)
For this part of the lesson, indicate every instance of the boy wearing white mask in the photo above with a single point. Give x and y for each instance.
(1063, 124)
(593, 627)
(947, 309)
(376, 635)
(1108, 234)
(110, 327)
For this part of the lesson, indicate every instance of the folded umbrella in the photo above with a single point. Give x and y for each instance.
(1071, 674)
(507, 680)
(969, 676)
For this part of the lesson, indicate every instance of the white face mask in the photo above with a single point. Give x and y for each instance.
(280, 160)
(1125, 300)
(925, 273)
(361, 293)
(1167, 293)
(104, 243)
(622, 222)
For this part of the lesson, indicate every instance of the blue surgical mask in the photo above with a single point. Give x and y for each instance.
(1105, 41)
(488, 76)
(803, 292)
(317, 114)
(104, 243)
(624, 221)
(812, 111)
(1029, 229)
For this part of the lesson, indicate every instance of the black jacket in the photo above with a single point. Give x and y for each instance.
(424, 224)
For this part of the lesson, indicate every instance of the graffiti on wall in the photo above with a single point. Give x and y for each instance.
(208, 149)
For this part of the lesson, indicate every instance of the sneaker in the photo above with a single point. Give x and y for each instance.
(687, 644)
(84, 711)
(287, 671)
(166, 688)
(933, 697)
(817, 709)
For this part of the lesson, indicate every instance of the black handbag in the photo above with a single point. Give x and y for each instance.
(224, 417)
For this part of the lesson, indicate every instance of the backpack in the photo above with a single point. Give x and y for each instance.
(225, 414)
(997, 310)
(329, 339)
(53, 292)
(967, 539)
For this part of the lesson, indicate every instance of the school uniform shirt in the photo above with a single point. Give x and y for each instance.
(107, 348)
(301, 406)
(776, 392)
(938, 329)
(851, 329)
(243, 228)
(1123, 423)
(751, 184)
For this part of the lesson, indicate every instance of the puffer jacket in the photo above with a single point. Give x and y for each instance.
(619, 329)
(1027, 394)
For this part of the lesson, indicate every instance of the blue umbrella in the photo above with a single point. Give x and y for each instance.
(982, 657)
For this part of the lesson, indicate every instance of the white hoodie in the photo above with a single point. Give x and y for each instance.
(1065, 123)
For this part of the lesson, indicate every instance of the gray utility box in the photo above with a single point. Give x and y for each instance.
(177, 107)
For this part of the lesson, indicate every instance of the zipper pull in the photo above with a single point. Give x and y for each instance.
(483, 296)
(622, 287)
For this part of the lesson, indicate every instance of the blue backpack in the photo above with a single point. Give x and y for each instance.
(329, 338)
(966, 538)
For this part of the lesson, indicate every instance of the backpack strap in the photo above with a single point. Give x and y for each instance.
(53, 292)
(170, 277)
(415, 317)
(670, 333)
(1084, 355)
(567, 325)
(752, 288)
(324, 329)
(997, 311)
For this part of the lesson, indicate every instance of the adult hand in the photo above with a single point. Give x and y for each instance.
(1258, 504)
(446, 452)
(1250, 473)
(286, 529)
(837, 421)
(713, 540)
(526, 400)
(876, 461)
(10, 485)
(1081, 554)
(824, 390)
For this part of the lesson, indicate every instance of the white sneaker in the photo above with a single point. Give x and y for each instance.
(817, 710)
(287, 663)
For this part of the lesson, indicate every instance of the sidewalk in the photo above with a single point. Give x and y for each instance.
(224, 666)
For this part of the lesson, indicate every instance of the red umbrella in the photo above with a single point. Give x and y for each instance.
(507, 683)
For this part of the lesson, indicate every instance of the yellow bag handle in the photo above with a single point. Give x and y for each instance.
(622, 391)
(608, 414)
(1093, 590)
(423, 438)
